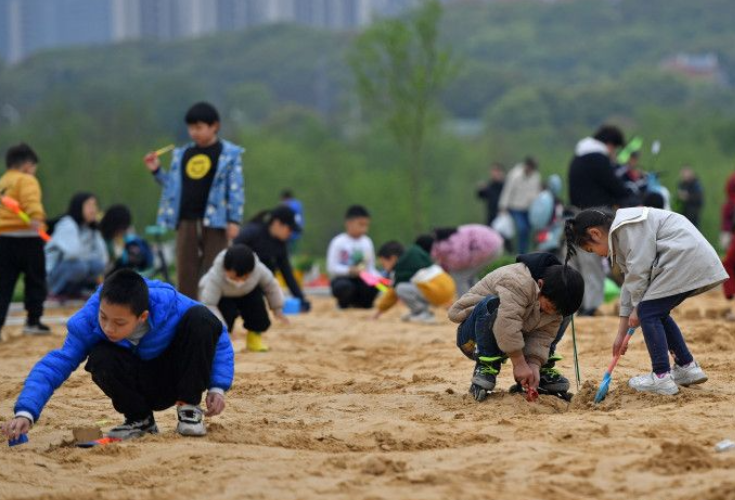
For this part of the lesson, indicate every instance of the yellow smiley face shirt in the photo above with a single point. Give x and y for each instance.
(198, 167)
(197, 175)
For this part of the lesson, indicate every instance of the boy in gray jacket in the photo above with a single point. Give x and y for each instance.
(235, 285)
(665, 260)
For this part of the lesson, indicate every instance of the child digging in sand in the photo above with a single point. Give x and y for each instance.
(235, 286)
(417, 281)
(665, 260)
(148, 348)
(518, 312)
(349, 254)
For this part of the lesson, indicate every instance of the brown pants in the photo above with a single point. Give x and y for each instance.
(196, 248)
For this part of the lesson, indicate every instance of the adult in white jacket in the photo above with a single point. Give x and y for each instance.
(665, 260)
(522, 186)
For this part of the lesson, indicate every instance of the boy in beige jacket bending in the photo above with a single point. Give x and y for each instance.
(518, 312)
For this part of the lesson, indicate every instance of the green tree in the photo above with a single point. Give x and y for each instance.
(400, 70)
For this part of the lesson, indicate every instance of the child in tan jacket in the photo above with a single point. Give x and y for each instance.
(518, 312)
(21, 248)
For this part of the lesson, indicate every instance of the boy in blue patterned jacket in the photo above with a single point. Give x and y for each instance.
(148, 348)
(202, 196)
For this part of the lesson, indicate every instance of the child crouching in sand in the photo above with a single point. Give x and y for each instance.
(235, 286)
(665, 260)
(148, 348)
(417, 281)
(517, 312)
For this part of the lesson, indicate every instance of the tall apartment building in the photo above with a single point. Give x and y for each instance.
(27, 26)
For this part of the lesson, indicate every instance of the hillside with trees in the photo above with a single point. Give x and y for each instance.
(536, 76)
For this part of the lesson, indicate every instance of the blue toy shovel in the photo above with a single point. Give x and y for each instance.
(22, 439)
(605, 385)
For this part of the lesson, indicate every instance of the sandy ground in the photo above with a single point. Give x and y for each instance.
(345, 407)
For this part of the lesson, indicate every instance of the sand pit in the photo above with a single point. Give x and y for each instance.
(345, 407)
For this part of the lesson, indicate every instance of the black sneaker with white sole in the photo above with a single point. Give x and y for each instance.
(132, 429)
(36, 328)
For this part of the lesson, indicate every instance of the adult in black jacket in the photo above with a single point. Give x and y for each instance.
(490, 191)
(592, 179)
(268, 234)
(593, 183)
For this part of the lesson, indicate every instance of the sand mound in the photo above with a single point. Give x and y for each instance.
(677, 457)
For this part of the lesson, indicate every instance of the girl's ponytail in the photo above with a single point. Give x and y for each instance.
(570, 237)
(575, 230)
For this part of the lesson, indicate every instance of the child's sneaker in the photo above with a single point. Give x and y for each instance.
(653, 383)
(36, 328)
(255, 342)
(191, 421)
(484, 377)
(687, 375)
(552, 381)
(426, 317)
(132, 429)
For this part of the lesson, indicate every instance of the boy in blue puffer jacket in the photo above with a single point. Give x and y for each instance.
(148, 348)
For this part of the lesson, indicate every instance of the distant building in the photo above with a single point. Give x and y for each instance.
(27, 26)
(126, 20)
(700, 66)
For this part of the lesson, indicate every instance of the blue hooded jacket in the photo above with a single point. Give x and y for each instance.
(166, 308)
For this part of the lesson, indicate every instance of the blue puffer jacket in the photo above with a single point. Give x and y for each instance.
(166, 307)
(226, 196)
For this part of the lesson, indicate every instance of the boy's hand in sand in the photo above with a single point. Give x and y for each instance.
(524, 373)
(151, 161)
(377, 314)
(14, 428)
(232, 230)
(282, 318)
(215, 404)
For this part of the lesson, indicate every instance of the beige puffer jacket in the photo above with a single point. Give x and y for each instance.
(520, 324)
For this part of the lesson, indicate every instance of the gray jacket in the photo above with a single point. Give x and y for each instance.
(214, 285)
(71, 242)
(661, 254)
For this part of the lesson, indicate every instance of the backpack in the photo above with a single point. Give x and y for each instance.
(136, 254)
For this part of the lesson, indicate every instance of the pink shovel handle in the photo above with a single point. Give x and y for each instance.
(615, 360)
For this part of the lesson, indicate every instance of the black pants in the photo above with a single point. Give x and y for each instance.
(181, 373)
(353, 292)
(22, 255)
(252, 309)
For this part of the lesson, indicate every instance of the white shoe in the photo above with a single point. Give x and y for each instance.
(426, 317)
(690, 374)
(651, 383)
(191, 421)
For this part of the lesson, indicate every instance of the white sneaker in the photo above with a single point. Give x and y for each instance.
(651, 383)
(690, 374)
(191, 421)
(426, 317)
